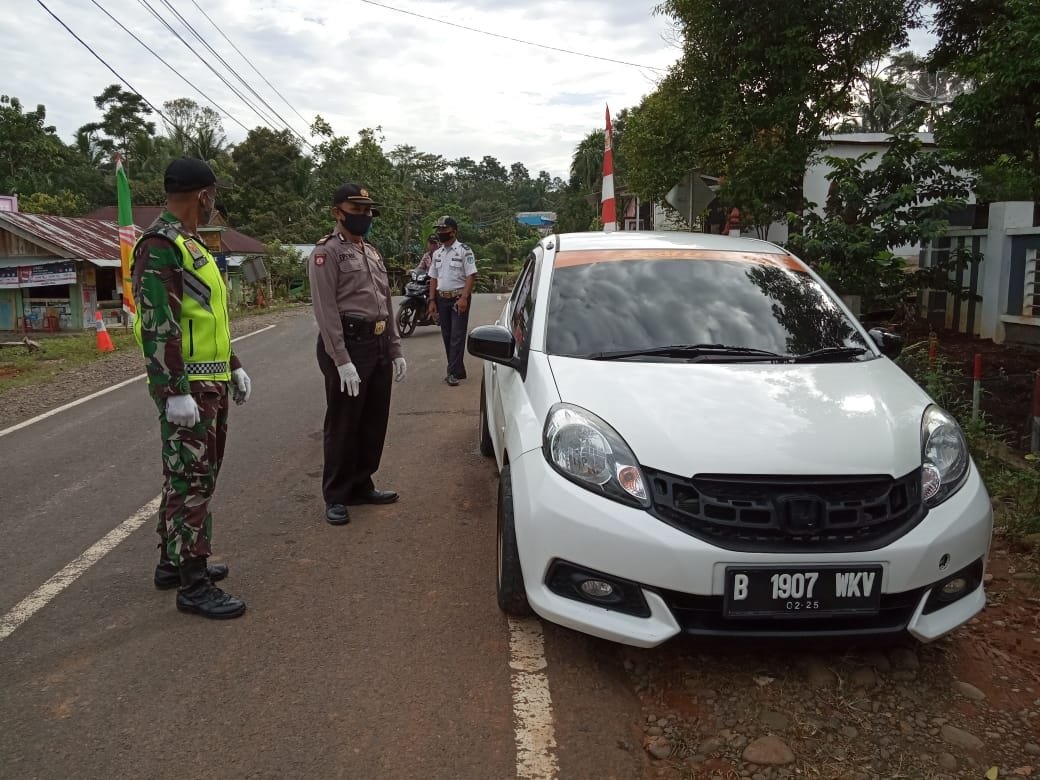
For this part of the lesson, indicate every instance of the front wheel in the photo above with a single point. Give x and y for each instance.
(406, 318)
(512, 595)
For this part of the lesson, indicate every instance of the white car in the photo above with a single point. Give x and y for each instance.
(695, 436)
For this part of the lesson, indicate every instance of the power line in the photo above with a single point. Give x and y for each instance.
(198, 36)
(251, 65)
(168, 65)
(265, 119)
(514, 40)
(102, 61)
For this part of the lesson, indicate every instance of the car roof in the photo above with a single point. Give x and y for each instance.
(661, 239)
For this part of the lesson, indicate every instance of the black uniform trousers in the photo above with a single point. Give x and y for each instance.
(454, 328)
(355, 426)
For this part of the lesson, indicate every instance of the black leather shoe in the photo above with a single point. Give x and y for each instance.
(337, 514)
(206, 599)
(167, 575)
(373, 497)
(452, 380)
(462, 375)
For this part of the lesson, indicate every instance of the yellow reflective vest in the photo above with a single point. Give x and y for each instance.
(205, 321)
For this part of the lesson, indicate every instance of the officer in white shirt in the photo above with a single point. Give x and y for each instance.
(452, 273)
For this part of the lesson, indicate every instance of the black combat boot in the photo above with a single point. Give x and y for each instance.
(200, 596)
(167, 576)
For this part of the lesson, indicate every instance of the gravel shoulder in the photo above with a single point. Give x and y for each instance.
(958, 708)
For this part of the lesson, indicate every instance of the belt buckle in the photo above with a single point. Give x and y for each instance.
(380, 326)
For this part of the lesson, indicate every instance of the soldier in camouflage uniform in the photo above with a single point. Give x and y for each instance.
(183, 328)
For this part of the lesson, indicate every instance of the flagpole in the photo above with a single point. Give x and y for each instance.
(608, 213)
(127, 238)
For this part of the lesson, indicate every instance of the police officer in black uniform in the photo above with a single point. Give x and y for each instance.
(359, 350)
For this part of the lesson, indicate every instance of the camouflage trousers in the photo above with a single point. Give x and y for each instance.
(191, 459)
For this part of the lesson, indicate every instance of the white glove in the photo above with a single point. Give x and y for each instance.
(242, 387)
(182, 410)
(400, 369)
(349, 379)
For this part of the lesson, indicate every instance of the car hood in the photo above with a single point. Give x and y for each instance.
(754, 418)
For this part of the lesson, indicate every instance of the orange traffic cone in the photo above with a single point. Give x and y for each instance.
(104, 341)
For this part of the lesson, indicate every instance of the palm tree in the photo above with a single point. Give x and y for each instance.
(886, 108)
(587, 163)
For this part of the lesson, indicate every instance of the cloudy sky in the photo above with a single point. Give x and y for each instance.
(429, 84)
(439, 88)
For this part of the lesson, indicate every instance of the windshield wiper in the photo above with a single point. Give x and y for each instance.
(826, 353)
(689, 350)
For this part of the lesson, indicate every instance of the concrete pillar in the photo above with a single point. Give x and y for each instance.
(996, 265)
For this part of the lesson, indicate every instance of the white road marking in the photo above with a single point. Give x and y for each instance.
(99, 393)
(532, 704)
(42, 596)
(37, 600)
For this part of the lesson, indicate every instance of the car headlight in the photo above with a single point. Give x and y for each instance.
(944, 456)
(587, 451)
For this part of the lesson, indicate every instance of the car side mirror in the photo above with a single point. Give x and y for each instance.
(494, 343)
(890, 344)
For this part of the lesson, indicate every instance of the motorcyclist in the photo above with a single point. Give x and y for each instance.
(432, 245)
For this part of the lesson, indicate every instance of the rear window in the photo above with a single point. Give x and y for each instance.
(763, 302)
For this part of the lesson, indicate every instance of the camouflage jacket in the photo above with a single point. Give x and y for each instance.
(158, 287)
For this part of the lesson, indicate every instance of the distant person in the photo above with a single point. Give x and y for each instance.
(359, 352)
(432, 245)
(453, 273)
(183, 328)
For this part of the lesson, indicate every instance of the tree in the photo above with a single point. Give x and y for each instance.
(34, 160)
(272, 183)
(197, 131)
(756, 87)
(123, 120)
(62, 204)
(903, 200)
(659, 144)
(993, 44)
(884, 108)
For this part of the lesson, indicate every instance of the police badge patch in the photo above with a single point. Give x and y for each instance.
(319, 259)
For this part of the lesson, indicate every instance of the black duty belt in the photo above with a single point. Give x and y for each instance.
(359, 328)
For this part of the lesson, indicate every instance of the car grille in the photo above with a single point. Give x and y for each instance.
(789, 514)
(702, 616)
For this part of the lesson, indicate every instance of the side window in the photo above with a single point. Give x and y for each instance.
(523, 307)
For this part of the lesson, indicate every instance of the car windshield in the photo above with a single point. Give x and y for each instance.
(693, 305)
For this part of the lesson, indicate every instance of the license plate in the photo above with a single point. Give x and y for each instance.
(809, 592)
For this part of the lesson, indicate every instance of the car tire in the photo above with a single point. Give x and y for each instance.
(487, 447)
(512, 595)
(407, 316)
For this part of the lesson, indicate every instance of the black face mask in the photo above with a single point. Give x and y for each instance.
(358, 224)
(444, 237)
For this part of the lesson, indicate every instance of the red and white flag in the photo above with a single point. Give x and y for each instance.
(608, 214)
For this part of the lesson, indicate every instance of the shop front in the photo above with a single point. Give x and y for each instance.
(57, 296)
(40, 296)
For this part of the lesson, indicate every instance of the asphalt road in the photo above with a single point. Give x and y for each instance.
(370, 650)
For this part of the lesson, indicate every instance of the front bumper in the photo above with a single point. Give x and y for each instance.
(682, 578)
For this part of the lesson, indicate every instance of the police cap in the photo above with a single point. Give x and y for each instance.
(354, 193)
(447, 222)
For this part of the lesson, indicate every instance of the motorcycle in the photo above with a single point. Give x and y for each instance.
(415, 309)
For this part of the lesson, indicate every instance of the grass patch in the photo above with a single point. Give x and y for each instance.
(58, 352)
